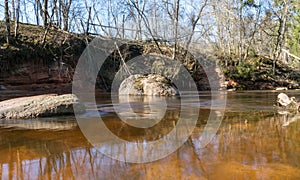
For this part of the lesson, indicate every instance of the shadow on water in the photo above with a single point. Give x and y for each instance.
(254, 141)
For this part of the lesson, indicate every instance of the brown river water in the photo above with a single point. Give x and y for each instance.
(255, 140)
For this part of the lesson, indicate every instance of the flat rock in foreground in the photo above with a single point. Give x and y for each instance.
(40, 106)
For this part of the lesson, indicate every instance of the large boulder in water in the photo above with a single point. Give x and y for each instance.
(151, 85)
(40, 106)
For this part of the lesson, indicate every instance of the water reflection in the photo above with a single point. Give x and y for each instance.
(141, 111)
(61, 123)
(259, 149)
(250, 144)
(146, 137)
(288, 117)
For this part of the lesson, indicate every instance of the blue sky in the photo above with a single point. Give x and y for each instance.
(100, 14)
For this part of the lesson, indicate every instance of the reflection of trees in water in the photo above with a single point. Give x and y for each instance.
(257, 141)
(42, 156)
(65, 154)
(31, 154)
(64, 163)
(258, 145)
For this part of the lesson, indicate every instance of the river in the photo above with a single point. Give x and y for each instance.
(253, 140)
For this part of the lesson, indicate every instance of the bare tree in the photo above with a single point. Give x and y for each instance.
(141, 13)
(253, 24)
(36, 11)
(66, 5)
(45, 15)
(241, 31)
(13, 9)
(137, 11)
(17, 18)
(7, 21)
(194, 20)
(281, 32)
(176, 27)
(24, 5)
(43, 11)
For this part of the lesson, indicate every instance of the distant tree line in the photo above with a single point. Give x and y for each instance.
(232, 28)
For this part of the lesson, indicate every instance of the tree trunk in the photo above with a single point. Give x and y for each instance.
(146, 23)
(88, 21)
(194, 24)
(241, 44)
(17, 19)
(36, 10)
(66, 21)
(45, 13)
(7, 21)
(59, 14)
(155, 19)
(123, 26)
(281, 34)
(25, 11)
(13, 10)
(40, 7)
(176, 27)
(65, 12)
(139, 22)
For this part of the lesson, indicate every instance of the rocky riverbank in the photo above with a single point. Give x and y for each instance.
(30, 65)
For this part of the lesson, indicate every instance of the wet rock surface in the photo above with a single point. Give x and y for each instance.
(40, 106)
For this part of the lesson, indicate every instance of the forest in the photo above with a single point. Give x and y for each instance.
(255, 41)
